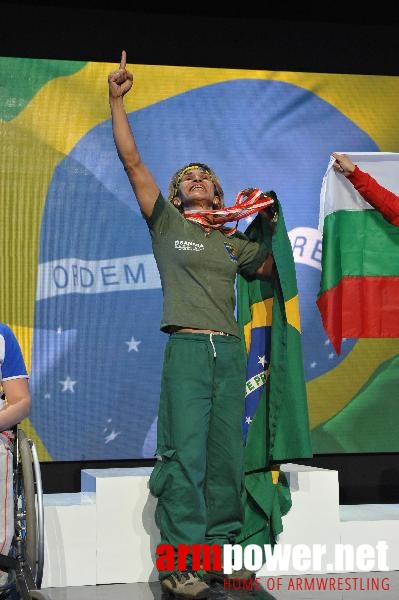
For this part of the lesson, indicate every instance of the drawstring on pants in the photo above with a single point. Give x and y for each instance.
(213, 345)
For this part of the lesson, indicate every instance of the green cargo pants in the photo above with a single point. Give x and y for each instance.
(199, 481)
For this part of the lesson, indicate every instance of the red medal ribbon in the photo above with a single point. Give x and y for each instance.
(247, 202)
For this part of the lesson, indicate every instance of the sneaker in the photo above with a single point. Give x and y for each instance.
(185, 584)
(220, 576)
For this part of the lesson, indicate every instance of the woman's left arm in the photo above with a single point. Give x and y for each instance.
(18, 402)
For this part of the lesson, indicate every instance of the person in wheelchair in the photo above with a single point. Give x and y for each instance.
(15, 403)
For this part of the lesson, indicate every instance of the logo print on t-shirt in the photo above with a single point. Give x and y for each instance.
(185, 245)
(231, 251)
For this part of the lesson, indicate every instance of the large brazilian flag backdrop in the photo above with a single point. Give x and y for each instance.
(78, 281)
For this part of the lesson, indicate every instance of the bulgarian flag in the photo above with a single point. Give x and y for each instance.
(359, 287)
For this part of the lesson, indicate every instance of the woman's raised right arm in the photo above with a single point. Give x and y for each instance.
(142, 181)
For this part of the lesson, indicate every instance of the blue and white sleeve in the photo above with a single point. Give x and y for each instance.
(12, 364)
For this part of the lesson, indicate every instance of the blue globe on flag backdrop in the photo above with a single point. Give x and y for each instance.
(97, 347)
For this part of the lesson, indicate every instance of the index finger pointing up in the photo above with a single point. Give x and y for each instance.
(123, 60)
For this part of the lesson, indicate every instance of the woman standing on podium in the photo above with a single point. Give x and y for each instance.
(199, 476)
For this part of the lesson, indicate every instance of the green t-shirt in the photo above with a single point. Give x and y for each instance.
(198, 270)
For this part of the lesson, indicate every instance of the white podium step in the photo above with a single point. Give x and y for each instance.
(70, 540)
(313, 518)
(127, 536)
(107, 533)
(369, 524)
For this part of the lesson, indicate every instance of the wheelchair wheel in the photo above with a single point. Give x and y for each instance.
(29, 508)
(39, 516)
